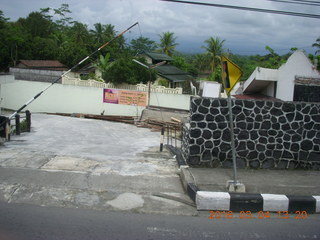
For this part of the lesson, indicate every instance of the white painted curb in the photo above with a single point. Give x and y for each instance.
(271, 202)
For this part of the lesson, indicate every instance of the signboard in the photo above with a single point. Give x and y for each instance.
(125, 97)
(231, 74)
(210, 89)
(110, 96)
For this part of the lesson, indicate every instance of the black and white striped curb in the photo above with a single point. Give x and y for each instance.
(254, 202)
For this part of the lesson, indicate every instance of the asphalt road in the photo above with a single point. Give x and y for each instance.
(20, 221)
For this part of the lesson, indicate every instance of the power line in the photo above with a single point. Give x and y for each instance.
(296, 14)
(297, 2)
(305, 1)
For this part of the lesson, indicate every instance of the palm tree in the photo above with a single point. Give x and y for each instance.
(98, 32)
(317, 45)
(102, 33)
(201, 61)
(80, 32)
(214, 50)
(109, 31)
(167, 43)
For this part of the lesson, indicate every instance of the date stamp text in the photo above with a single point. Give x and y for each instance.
(257, 215)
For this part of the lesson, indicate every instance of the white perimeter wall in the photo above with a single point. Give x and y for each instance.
(76, 99)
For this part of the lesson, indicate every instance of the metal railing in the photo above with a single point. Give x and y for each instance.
(173, 134)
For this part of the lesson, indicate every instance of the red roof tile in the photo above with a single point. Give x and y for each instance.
(42, 64)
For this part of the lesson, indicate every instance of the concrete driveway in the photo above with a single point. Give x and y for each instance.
(76, 162)
(83, 144)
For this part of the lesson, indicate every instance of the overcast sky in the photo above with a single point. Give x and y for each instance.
(245, 32)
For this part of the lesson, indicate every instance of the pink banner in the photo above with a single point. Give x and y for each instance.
(125, 97)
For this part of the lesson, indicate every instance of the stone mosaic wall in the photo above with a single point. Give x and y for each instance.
(268, 134)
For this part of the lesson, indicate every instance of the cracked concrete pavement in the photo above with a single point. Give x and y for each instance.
(85, 163)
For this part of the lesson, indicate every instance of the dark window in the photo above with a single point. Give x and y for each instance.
(306, 93)
(275, 89)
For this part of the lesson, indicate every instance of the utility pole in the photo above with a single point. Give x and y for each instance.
(231, 74)
(149, 67)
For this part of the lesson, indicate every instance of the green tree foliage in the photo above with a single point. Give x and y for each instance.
(246, 63)
(99, 33)
(124, 70)
(51, 34)
(315, 59)
(249, 63)
(79, 33)
(201, 62)
(44, 48)
(36, 25)
(3, 20)
(70, 53)
(27, 38)
(103, 65)
(142, 44)
(216, 74)
(182, 63)
(13, 41)
(167, 43)
(103, 33)
(62, 12)
(60, 15)
(214, 49)
(317, 45)
(273, 60)
(4, 41)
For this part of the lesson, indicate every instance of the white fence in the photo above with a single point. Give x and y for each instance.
(138, 87)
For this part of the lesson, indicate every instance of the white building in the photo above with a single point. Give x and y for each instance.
(296, 80)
